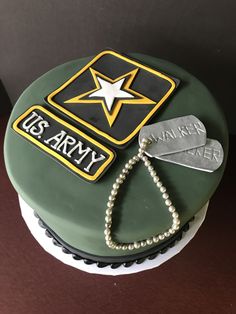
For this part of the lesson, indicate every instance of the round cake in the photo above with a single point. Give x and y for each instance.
(73, 155)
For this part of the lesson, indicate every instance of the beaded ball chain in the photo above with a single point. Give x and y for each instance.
(114, 192)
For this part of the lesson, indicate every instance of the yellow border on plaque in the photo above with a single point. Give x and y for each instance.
(55, 154)
(93, 128)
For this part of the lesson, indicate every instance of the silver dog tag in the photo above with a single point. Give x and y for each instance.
(206, 158)
(175, 135)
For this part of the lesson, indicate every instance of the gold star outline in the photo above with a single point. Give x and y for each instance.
(111, 116)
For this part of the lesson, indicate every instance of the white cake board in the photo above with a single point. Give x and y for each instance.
(46, 242)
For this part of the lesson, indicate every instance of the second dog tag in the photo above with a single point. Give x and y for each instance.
(206, 158)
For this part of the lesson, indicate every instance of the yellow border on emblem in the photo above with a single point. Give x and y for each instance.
(55, 154)
(93, 128)
(111, 117)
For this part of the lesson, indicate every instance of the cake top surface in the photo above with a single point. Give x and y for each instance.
(74, 208)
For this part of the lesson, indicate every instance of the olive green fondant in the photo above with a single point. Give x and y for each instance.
(75, 209)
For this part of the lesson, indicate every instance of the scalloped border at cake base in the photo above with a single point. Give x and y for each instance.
(47, 244)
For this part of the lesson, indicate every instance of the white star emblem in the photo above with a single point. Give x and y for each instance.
(110, 92)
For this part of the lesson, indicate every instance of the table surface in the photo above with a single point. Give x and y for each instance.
(201, 279)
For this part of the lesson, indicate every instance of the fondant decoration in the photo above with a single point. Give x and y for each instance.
(111, 243)
(71, 147)
(183, 141)
(113, 96)
(206, 158)
(174, 135)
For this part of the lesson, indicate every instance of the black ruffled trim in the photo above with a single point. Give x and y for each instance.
(101, 264)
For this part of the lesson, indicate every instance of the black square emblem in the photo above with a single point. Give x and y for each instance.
(113, 96)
